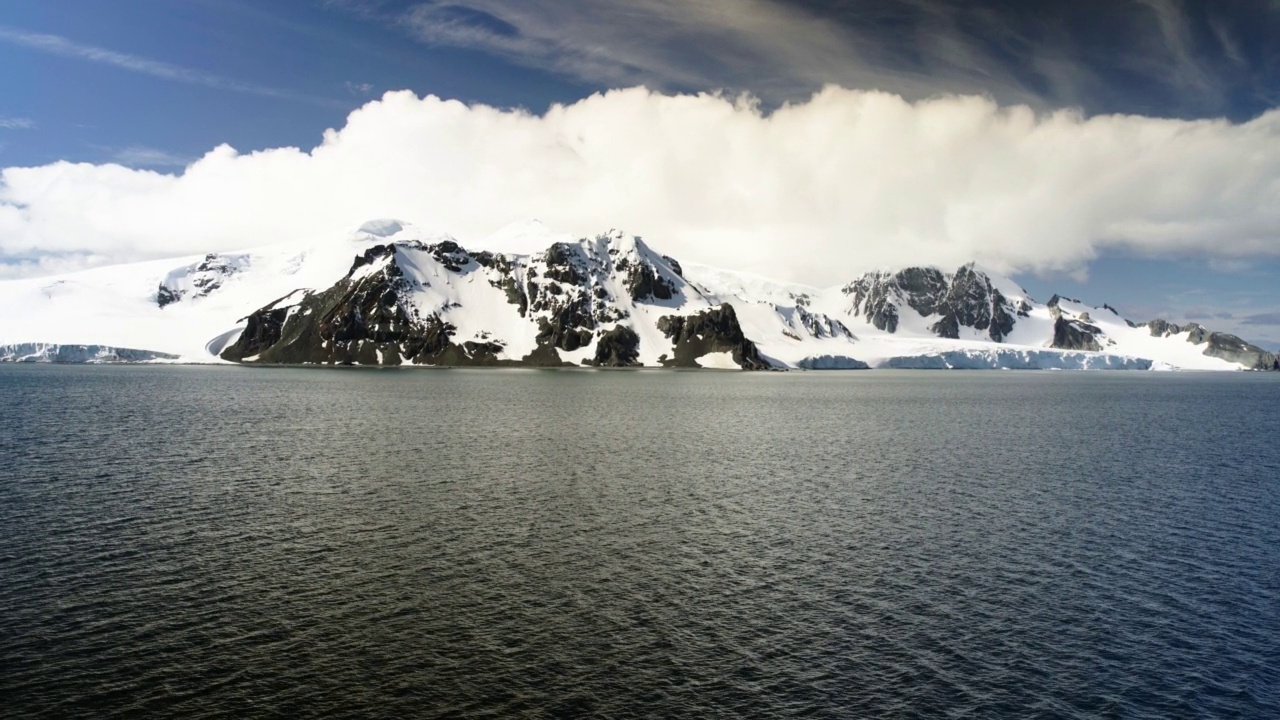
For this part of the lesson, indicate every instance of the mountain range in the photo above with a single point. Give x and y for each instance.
(393, 294)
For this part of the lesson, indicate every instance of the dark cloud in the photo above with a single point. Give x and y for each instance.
(1267, 318)
(1207, 315)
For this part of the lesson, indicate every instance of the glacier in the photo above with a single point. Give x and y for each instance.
(78, 354)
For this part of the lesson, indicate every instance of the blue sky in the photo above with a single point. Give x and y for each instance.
(254, 75)
(156, 84)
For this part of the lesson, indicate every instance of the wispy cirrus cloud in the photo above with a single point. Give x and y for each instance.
(142, 157)
(64, 47)
(1184, 65)
(1101, 55)
(776, 50)
(16, 123)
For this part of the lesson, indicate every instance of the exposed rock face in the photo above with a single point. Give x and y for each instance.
(362, 319)
(1161, 328)
(713, 330)
(199, 280)
(832, 362)
(574, 295)
(971, 301)
(167, 296)
(1071, 334)
(877, 296)
(565, 311)
(568, 288)
(87, 354)
(675, 266)
(965, 299)
(645, 280)
(822, 326)
(619, 347)
(1233, 349)
(263, 329)
(1220, 345)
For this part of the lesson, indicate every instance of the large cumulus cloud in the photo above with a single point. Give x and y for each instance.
(817, 191)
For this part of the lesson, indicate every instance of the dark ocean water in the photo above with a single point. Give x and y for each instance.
(233, 542)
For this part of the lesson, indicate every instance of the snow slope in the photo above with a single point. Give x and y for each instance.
(528, 289)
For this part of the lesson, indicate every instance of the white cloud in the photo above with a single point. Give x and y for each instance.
(815, 191)
(16, 123)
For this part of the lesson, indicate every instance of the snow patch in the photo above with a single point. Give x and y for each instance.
(718, 361)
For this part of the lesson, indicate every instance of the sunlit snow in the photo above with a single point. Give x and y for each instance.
(793, 326)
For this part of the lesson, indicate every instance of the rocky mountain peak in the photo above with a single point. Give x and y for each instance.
(393, 293)
(1220, 345)
(967, 298)
(414, 301)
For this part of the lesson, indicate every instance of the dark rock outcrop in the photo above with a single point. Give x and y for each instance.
(675, 266)
(370, 318)
(873, 296)
(880, 294)
(712, 330)
(1056, 299)
(967, 303)
(1071, 334)
(619, 347)
(1161, 328)
(831, 362)
(964, 299)
(167, 296)
(364, 321)
(263, 329)
(451, 255)
(644, 283)
(567, 329)
(822, 326)
(1219, 345)
(562, 264)
(206, 277)
(1233, 349)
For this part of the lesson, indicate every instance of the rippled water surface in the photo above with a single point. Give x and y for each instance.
(235, 542)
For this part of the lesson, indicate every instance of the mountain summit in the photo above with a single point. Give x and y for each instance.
(392, 294)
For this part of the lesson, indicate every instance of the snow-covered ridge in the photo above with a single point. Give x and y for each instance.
(391, 293)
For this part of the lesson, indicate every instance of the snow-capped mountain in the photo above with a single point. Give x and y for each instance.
(392, 294)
